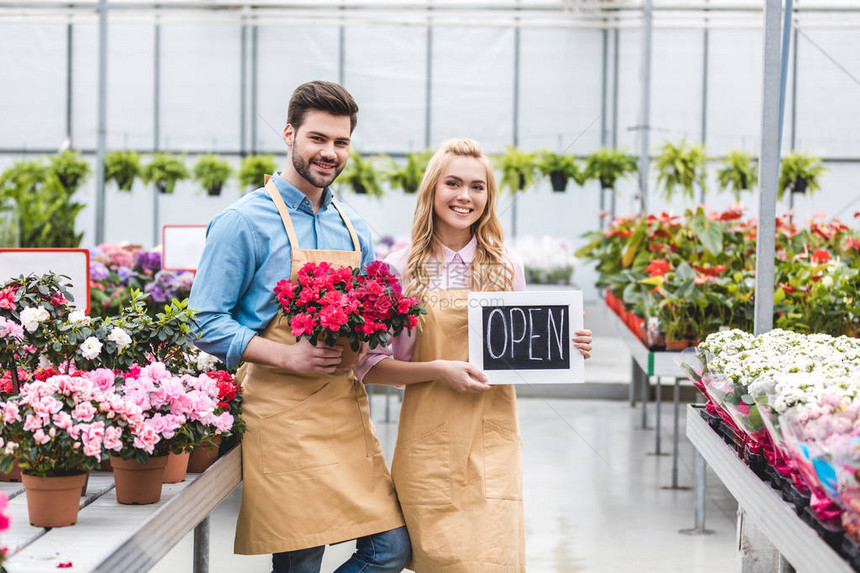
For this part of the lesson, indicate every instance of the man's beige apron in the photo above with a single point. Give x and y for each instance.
(313, 469)
(458, 462)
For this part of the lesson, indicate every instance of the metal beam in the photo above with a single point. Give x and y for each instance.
(102, 122)
(616, 58)
(156, 125)
(604, 135)
(645, 123)
(516, 122)
(706, 43)
(428, 91)
(69, 112)
(254, 64)
(243, 92)
(768, 169)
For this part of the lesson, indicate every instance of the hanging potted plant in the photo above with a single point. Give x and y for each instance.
(253, 170)
(211, 171)
(739, 173)
(800, 172)
(680, 168)
(69, 169)
(122, 167)
(164, 171)
(408, 176)
(518, 168)
(361, 175)
(607, 166)
(559, 168)
(54, 467)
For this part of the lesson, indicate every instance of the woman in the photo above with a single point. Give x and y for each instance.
(457, 464)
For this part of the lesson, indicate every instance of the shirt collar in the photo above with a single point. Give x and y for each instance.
(295, 199)
(466, 254)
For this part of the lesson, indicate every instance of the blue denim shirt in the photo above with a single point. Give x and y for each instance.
(247, 252)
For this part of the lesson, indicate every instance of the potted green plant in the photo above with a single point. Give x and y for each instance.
(739, 172)
(409, 175)
(680, 167)
(253, 170)
(361, 175)
(560, 168)
(122, 167)
(69, 169)
(800, 172)
(211, 171)
(608, 166)
(164, 171)
(518, 167)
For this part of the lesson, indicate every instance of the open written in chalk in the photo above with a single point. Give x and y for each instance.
(525, 337)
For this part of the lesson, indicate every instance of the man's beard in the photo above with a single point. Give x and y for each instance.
(304, 169)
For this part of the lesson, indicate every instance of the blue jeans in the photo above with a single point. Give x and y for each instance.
(386, 552)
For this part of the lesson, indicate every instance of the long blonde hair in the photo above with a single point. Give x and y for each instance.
(490, 269)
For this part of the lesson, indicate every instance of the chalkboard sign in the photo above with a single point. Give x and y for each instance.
(525, 337)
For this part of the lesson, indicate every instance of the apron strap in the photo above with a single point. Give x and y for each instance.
(272, 189)
(349, 226)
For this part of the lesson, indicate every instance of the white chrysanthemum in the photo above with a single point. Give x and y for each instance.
(78, 317)
(206, 362)
(44, 363)
(91, 347)
(31, 317)
(119, 337)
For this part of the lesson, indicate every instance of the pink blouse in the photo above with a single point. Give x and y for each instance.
(452, 274)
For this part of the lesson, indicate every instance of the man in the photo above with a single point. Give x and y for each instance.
(312, 467)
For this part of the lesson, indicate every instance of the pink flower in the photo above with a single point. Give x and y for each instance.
(11, 412)
(145, 438)
(302, 324)
(223, 422)
(84, 412)
(332, 318)
(32, 423)
(41, 437)
(103, 378)
(112, 439)
(62, 420)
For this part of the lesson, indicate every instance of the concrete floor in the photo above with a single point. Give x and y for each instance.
(595, 500)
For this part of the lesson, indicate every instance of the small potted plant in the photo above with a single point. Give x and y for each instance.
(680, 167)
(559, 168)
(69, 169)
(351, 307)
(164, 171)
(739, 173)
(122, 167)
(253, 170)
(362, 175)
(54, 467)
(518, 168)
(211, 171)
(607, 166)
(408, 176)
(800, 172)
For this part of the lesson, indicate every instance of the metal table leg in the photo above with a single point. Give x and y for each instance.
(201, 546)
(643, 380)
(698, 498)
(387, 404)
(634, 379)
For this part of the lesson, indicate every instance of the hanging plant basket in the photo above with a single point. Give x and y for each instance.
(559, 181)
(214, 191)
(799, 185)
(359, 188)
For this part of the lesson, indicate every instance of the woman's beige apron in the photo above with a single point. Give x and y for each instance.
(313, 469)
(457, 466)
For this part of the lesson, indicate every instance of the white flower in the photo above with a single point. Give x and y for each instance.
(31, 317)
(206, 362)
(44, 363)
(827, 281)
(78, 317)
(120, 337)
(91, 347)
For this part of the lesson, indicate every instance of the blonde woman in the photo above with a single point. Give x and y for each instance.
(457, 465)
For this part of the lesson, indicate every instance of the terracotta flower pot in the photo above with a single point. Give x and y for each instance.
(176, 468)
(14, 475)
(53, 501)
(105, 466)
(349, 356)
(138, 484)
(677, 344)
(204, 456)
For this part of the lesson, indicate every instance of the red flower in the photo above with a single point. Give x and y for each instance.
(59, 300)
(787, 289)
(7, 298)
(852, 243)
(658, 267)
(820, 256)
(332, 317)
(302, 324)
(412, 321)
(731, 214)
(65, 565)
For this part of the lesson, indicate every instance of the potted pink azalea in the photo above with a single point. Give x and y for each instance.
(55, 430)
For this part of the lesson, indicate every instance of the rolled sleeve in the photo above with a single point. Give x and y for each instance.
(224, 274)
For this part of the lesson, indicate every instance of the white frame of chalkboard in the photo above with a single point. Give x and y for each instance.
(572, 299)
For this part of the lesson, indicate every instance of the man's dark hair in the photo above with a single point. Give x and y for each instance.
(324, 96)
